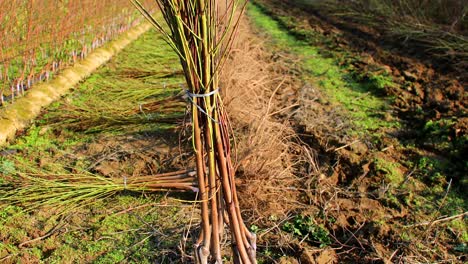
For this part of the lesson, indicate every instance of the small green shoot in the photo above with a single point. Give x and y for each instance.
(305, 228)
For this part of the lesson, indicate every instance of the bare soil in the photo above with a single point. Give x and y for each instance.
(367, 190)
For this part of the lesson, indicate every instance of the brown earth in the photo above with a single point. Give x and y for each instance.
(342, 182)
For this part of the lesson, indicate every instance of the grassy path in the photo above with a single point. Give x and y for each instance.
(120, 122)
(17, 116)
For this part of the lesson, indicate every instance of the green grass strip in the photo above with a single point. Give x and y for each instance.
(359, 99)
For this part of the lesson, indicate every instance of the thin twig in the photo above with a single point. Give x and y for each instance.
(440, 206)
(55, 229)
(347, 145)
(440, 220)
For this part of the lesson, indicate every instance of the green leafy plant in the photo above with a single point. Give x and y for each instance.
(304, 227)
(461, 248)
(438, 128)
(254, 228)
(6, 167)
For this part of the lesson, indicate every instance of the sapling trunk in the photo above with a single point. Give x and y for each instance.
(202, 37)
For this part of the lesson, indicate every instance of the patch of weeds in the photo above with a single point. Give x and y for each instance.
(463, 248)
(454, 203)
(406, 236)
(67, 138)
(66, 254)
(391, 200)
(268, 254)
(106, 237)
(113, 224)
(96, 247)
(7, 167)
(305, 228)
(432, 170)
(7, 248)
(374, 77)
(114, 256)
(12, 229)
(36, 139)
(254, 229)
(37, 253)
(390, 170)
(8, 211)
(380, 81)
(442, 136)
(459, 226)
(439, 132)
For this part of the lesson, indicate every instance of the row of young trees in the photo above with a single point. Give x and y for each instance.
(38, 37)
(449, 13)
